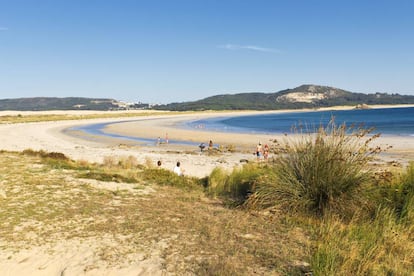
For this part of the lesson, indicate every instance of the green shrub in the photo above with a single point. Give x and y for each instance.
(237, 185)
(169, 178)
(407, 214)
(216, 181)
(319, 172)
(44, 154)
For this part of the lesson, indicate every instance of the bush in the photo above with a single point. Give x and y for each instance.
(44, 154)
(320, 171)
(168, 178)
(238, 185)
(216, 181)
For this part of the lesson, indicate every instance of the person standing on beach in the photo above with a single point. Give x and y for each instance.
(259, 151)
(210, 145)
(266, 152)
(201, 146)
(177, 169)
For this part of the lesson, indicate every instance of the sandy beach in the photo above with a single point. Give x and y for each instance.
(56, 136)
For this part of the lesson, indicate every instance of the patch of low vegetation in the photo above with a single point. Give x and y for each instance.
(236, 187)
(399, 194)
(44, 202)
(380, 245)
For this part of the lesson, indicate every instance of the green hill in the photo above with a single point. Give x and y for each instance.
(49, 103)
(305, 96)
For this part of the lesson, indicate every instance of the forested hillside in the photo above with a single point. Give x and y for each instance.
(46, 103)
(305, 96)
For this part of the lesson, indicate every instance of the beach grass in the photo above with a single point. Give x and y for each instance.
(47, 198)
(377, 246)
(321, 171)
(236, 186)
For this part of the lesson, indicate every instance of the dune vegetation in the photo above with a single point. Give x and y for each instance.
(320, 206)
(359, 217)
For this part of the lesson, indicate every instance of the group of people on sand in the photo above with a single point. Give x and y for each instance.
(262, 152)
(202, 146)
(159, 142)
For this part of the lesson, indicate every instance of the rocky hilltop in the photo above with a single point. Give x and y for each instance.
(311, 94)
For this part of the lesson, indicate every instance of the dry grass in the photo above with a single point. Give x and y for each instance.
(44, 202)
(46, 199)
(380, 246)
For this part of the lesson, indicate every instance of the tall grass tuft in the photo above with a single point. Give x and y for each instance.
(237, 185)
(380, 246)
(405, 194)
(164, 177)
(399, 194)
(321, 171)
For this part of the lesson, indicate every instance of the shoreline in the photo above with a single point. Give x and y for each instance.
(402, 147)
(53, 136)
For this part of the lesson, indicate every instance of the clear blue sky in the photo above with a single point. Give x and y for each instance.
(181, 50)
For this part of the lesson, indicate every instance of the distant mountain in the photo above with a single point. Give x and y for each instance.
(304, 96)
(46, 103)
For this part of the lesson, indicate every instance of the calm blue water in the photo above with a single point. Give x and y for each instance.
(387, 121)
(99, 130)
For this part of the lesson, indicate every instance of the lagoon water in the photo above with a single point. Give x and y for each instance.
(99, 130)
(387, 121)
